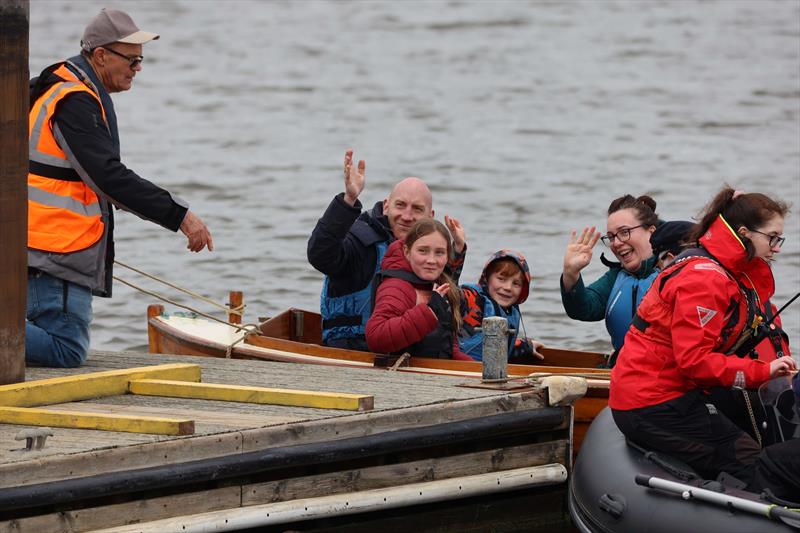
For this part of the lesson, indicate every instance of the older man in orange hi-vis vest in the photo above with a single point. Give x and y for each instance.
(75, 175)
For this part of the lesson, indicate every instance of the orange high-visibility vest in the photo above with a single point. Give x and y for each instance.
(64, 214)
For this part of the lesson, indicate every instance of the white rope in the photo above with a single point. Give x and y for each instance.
(247, 328)
(236, 311)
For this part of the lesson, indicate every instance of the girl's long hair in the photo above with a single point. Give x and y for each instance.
(751, 210)
(426, 226)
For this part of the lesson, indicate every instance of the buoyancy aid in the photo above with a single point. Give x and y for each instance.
(345, 316)
(480, 305)
(653, 311)
(742, 331)
(67, 221)
(438, 343)
(626, 295)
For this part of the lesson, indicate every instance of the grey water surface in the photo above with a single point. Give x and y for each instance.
(525, 117)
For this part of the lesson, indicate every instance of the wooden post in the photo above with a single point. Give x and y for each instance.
(236, 298)
(14, 24)
(153, 341)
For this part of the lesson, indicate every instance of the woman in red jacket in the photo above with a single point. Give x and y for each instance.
(417, 305)
(686, 334)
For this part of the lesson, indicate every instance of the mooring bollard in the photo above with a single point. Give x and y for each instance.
(495, 349)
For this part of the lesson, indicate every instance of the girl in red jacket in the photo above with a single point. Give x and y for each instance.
(686, 338)
(416, 306)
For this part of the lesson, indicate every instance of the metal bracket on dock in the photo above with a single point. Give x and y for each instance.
(34, 438)
(505, 384)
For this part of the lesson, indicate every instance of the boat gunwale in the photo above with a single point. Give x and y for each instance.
(416, 364)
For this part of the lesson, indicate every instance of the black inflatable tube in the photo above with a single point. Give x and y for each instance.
(233, 466)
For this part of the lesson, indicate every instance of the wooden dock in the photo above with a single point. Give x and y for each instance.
(422, 431)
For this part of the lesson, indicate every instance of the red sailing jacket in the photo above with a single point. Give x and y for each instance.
(692, 315)
(398, 321)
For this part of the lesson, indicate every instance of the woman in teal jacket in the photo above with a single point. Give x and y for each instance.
(615, 296)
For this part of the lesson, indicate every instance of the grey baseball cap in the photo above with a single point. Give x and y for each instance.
(113, 26)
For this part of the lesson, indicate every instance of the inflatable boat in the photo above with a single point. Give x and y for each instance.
(616, 487)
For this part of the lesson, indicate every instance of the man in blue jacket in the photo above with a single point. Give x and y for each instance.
(348, 246)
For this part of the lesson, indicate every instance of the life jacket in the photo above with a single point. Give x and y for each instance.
(345, 316)
(64, 215)
(479, 306)
(626, 295)
(739, 315)
(437, 344)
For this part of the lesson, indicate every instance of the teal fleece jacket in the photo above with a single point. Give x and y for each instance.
(589, 303)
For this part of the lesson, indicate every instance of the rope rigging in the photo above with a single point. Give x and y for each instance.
(248, 329)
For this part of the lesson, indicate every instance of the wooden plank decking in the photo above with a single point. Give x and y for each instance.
(391, 391)
(401, 401)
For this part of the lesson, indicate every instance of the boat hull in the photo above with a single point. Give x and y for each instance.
(605, 471)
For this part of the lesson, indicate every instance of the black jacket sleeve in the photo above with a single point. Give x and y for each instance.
(337, 253)
(79, 125)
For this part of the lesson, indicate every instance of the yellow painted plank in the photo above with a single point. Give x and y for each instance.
(97, 421)
(262, 395)
(86, 386)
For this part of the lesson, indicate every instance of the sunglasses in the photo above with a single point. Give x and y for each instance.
(133, 61)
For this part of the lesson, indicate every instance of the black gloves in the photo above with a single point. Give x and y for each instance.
(440, 307)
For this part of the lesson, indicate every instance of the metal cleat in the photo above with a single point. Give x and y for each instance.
(34, 438)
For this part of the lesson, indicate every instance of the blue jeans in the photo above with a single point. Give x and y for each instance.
(57, 325)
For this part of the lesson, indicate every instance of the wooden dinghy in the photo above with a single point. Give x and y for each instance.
(295, 336)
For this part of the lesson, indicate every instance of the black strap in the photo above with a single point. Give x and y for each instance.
(404, 275)
(639, 323)
(775, 333)
(665, 464)
(769, 496)
(50, 171)
(394, 273)
(612, 359)
(608, 262)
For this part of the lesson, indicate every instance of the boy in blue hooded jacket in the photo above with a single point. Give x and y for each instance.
(504, 284)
